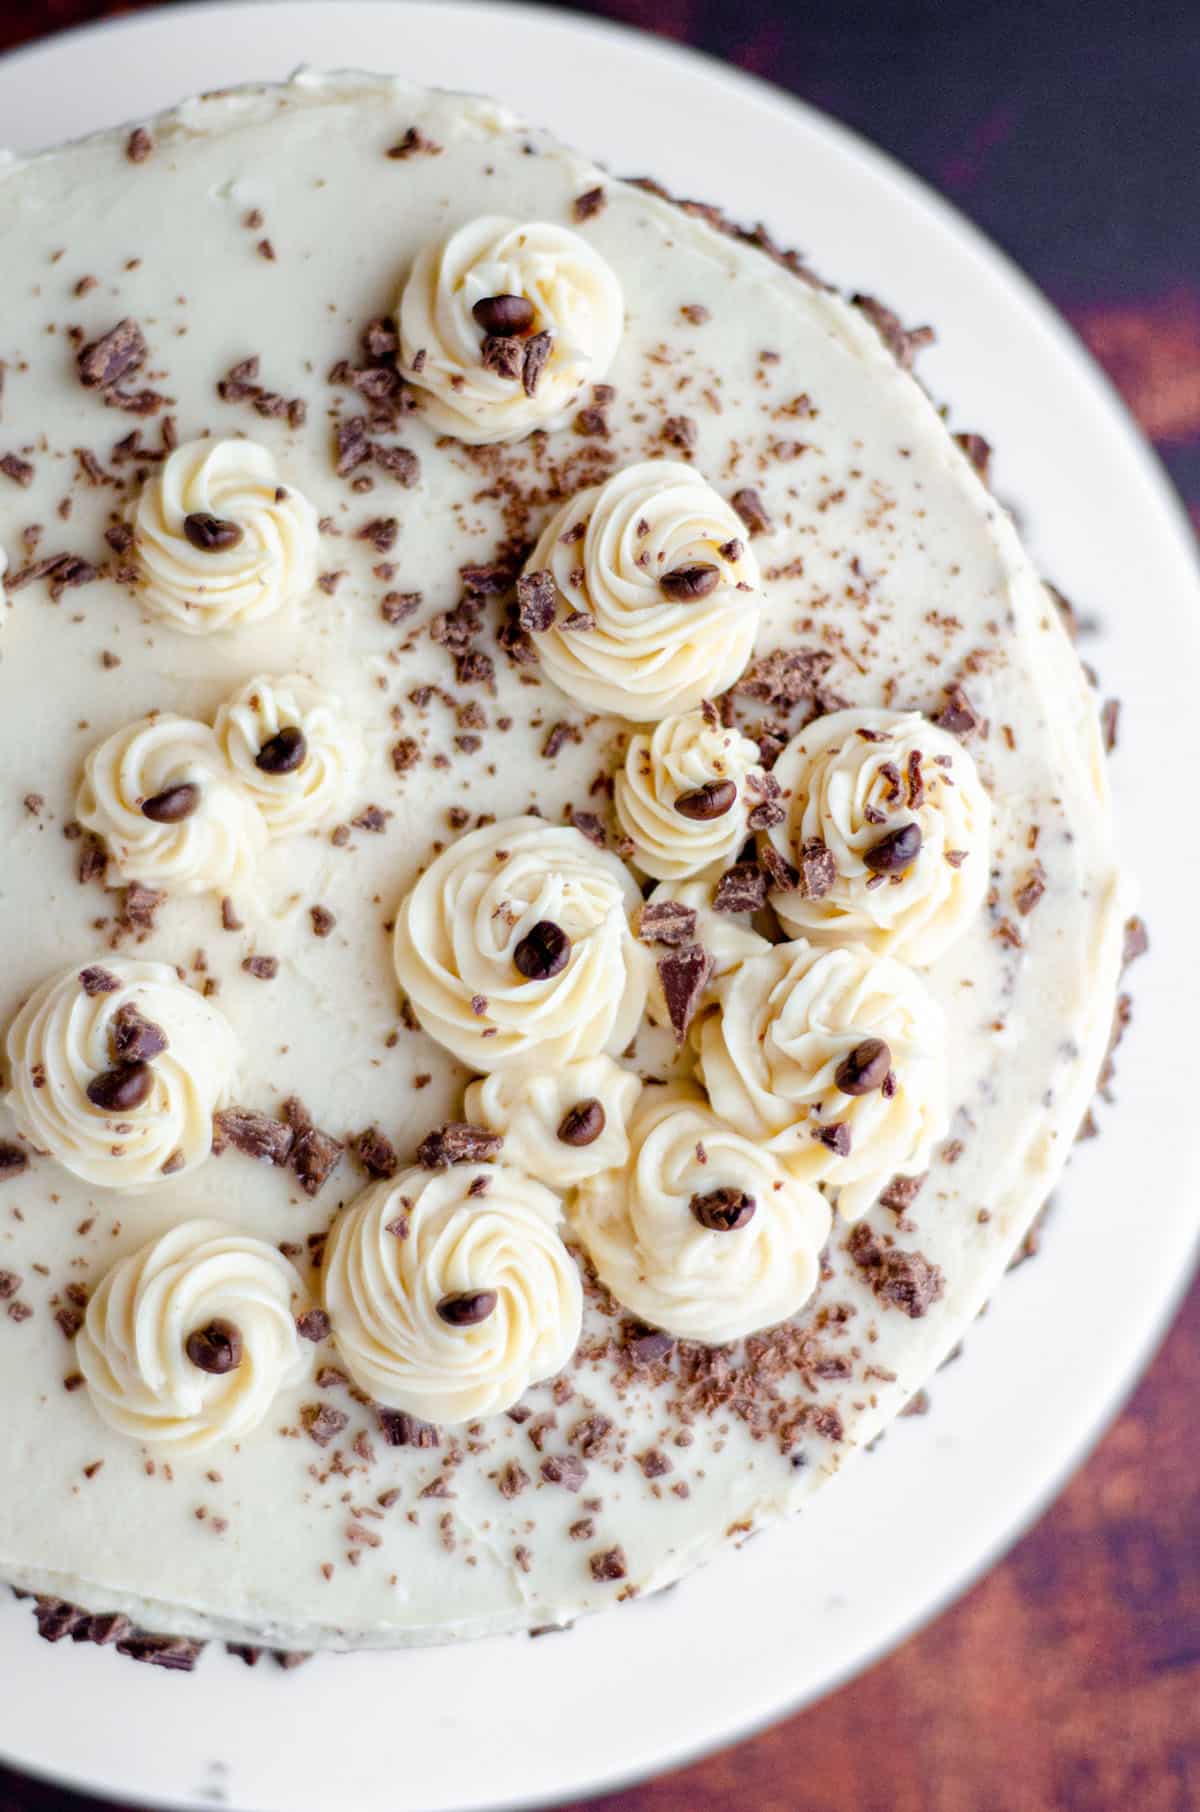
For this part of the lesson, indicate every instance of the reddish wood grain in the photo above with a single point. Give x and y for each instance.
(1069, 1679)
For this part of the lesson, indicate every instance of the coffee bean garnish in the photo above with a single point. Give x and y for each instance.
(284, 752)
(542, 952)
(504, 315)
(865, 1069)
(468, 1308)
(723, 1210)
(124, 1087)
(687, 584)
(583, 1123)
(211, 534)
(897, 850)
(712, 800)
(216, 1349)
(173, 804)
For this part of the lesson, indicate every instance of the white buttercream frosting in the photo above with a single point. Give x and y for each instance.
(202, 590)
(788, 1019)
(312, 793)
(546, 1114)
(458, 933)
(575, 297)
(133, 1346)
(214, 846)
(668, 791)
(646, 654)
(648, 1246)
(854, 777)
(426, 1237)
(63, 1039)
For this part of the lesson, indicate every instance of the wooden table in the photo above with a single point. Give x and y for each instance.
(1069, 1679)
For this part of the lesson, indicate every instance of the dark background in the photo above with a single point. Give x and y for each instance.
(1069, 1679)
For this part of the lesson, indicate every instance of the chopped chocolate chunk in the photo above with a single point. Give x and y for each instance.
(322, 1422)
(353, 446)
(583, 1123)
(590, 826)
(217, 1348)
(140, 905)
(512, 1480)
(122, 1089)
(723, 1210)
(688, 584)
(503, 357)
(900, 1279)
(105, 361)
(376, 1153)
(68, 1321)
(18, 469)
(467, 1308)
(902, 342)
(12, 1162)
(1031, 889)
(537, 357)
(414, 144)
(835, 1136)
(565, 1469)
(313, 1325)
(610, 1565)
(262, 968)
(98, 981)
(780, 873)
(1110, 718)
(284, 752)
(229, 918)
(680, 431)
(901, 1193)
(10, 1283)
(978, 451)
(654, 1463)
(212, 534)
(134, 1039)
(1137, 942)
(139, 145)
(458, 1142)
(958, 715)
(732, 550)
(179, 1654)
(406, 753)
(314, 1157)
(864, 1069)
(399, 1429)
(590, 203)
(696, 313)
(789, 676)
(255, 1134)
(684, 976)
(560, 734)
(173, 804)
(543, 952)
(667, 922)
(742, 888)
(894, 852)
(399, 463)
(502, 316)
(398, 606)
(323, 921)
(536, 595)
(752, 510)
(703, 803)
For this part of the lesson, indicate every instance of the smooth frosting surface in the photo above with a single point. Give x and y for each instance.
(132, 1348)
(405, 1247)
(65, 1037)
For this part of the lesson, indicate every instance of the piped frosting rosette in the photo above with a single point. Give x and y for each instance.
(116, 1071)
(562, 1123)
(451, 1292)
(293, 748)
(703, 1232)
(899, 806)
(682, 796)
(834, 1059)
(172, 815)
(655, 596)
(515, 947)
(220, 540)
(188, 1341)
(503, 323)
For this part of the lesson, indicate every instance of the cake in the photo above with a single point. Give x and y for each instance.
(559, 899)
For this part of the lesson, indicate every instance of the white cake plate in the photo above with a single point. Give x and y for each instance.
(517, 1722)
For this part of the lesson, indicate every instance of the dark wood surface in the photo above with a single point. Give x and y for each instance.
(1069, 1679)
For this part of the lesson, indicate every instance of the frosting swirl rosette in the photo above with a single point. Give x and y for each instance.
(728, 937)
(218, 540)
(835, 1060)
(515, 947)
(294, 750)
(170, 812)
(682, 796)
(116, 1071)
(562, 1124)
(655, 593)
(189, 1340)
(451, 1292)
(703, 1233)
(503, 323)
(898, 804)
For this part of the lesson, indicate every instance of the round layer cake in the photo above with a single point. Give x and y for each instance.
(559, 898)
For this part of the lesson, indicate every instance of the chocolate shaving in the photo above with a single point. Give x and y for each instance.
(901, 1280)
